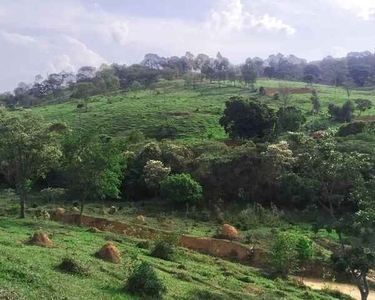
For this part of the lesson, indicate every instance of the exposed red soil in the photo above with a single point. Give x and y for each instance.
(109, 252)
(271, 91)
(40, 239)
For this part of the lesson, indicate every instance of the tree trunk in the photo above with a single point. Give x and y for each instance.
(23, 198)
(83, 200)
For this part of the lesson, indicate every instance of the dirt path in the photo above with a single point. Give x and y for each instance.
(352, 290)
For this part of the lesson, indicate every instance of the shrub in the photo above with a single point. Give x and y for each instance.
(144, 282)
(182, 189)
(283, 254)
(135, 136)
(351, 128)
(276, 96)
(288, 250)
(72, 267)
(304, 248)
(262, 91)
(166, 132)
(256, 215)
(164, 250)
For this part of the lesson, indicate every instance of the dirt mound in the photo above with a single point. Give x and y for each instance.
(40, 239)
(74, 210)
(94, 230)
(229, 232)
(109, 252)
(43, 215)
(112, 210)
(141, 219)
(60, 211)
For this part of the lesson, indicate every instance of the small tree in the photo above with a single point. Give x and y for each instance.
(363, 105)
(135, 87)
(84, 90)
(182, 189)
(283, 255)
(343, 114)
(94, 165)
(284, 92)
(315, 103)
(28, 150)
(289, 119)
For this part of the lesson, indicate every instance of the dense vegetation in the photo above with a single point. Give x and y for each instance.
(220, 146)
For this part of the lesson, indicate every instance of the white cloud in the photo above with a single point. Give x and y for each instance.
(230, 16)
(365, 9)
(118, 32)
(16, 38)
(270, 23)
(82, 55)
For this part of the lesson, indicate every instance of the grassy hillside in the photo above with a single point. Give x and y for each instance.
(194, 113)
(31, 272)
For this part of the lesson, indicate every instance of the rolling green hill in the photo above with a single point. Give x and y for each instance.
(193, 113)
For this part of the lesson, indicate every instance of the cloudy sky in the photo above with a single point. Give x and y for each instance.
(45, 36)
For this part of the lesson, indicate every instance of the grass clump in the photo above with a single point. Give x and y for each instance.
(144, 282)
(70, 266)
(164, 250)
(8, 295)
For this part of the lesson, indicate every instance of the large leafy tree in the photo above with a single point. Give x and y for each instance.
(245, 120)
(94, 164)
(28, 150)
(289, 119)
(341, 190)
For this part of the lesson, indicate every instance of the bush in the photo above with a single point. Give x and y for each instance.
(290, 250)
(182, 189)
(262, 91)
(166, 132)
(351, 128)
(283, 255)
(144, 282)
(135, 136)
(164, 250)
(276, 96)
(256, 215)
(72, 267)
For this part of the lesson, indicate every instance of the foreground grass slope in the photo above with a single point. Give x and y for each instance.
(194, 113)
(31, 271)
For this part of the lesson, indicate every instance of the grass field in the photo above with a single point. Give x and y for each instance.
(31, 272)
(194, 113)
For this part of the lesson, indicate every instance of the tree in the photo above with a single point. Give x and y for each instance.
(343, 114)
(247, 119)
(182, 189)
(315, 103)
(359, 74)
(249, 73)
(289, 119)
(135, 87)
(154, 173)
(94, 163)
(284, 92)
(363, 105)
(28, 150)
(357, 262)
(84, 90)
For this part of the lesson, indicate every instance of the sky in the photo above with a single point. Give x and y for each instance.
(47, 36)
